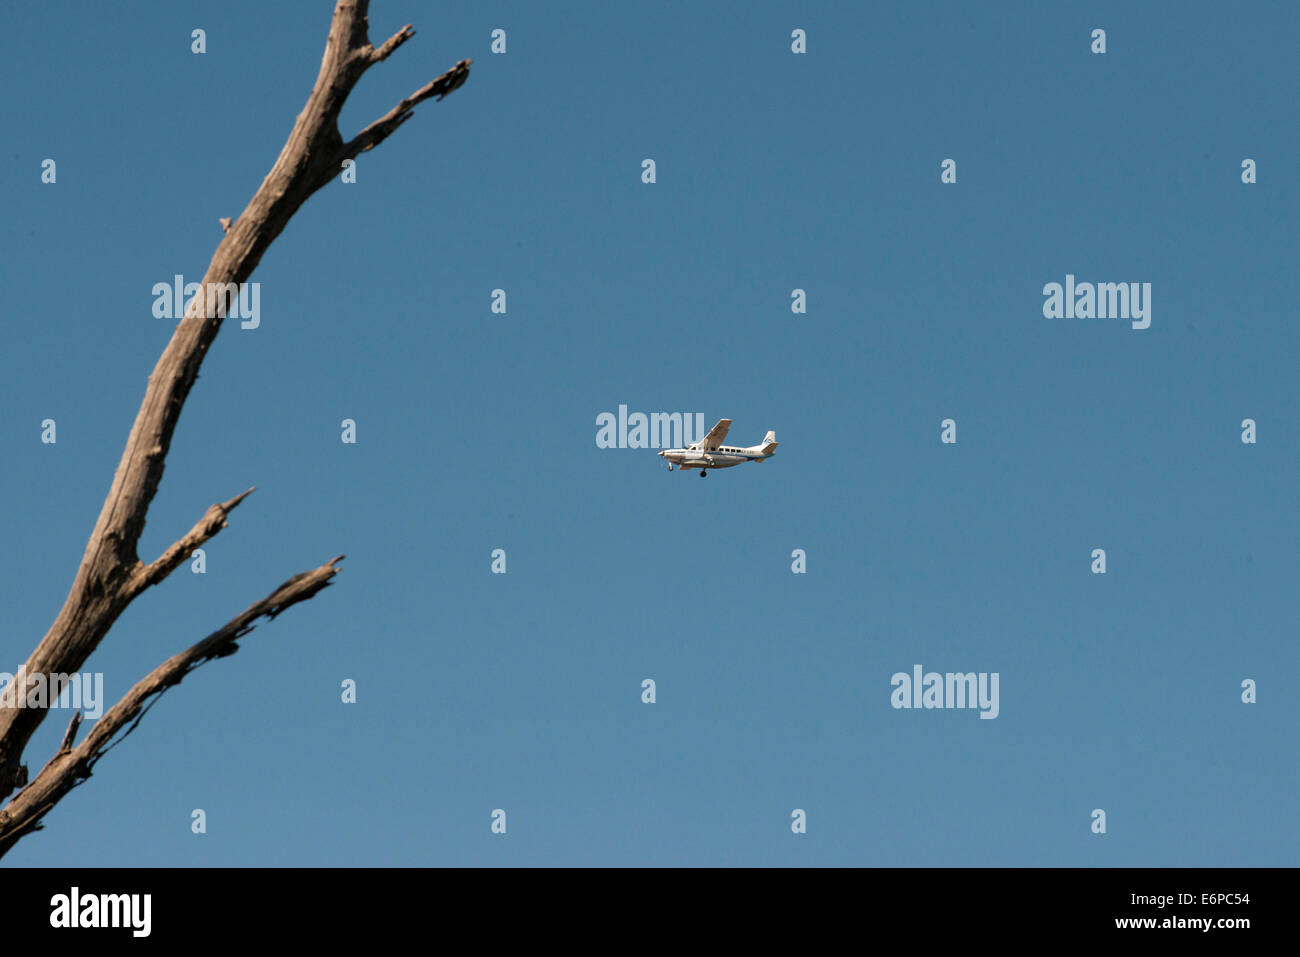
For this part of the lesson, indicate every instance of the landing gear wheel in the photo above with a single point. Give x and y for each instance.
(670, 468)
(703, 473)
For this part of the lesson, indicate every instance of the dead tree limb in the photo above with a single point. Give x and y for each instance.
(111, 573)
(72, 765)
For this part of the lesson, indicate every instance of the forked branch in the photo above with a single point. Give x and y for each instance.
(72, 765)
(111, 573)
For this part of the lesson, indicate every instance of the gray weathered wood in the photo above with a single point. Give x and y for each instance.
(111, 573)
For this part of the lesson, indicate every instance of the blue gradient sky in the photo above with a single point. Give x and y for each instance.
(477, 431)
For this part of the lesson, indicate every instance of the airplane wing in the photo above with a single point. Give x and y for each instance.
(716, 435)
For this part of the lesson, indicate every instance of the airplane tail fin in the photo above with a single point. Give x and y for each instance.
(769, 443)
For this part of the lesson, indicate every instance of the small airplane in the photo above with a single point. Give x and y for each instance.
(710, 453)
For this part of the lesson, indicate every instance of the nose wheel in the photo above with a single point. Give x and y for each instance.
(670, 466)
(703, 473)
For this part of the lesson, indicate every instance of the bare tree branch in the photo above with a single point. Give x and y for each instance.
(70, 735)
(71, 766)
(391, 44)
(378, 131)
(111, 573)
(213, 521)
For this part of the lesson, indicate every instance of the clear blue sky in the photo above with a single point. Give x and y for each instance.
(477, 431)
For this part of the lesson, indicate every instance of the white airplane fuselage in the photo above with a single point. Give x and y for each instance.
(695, 459)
